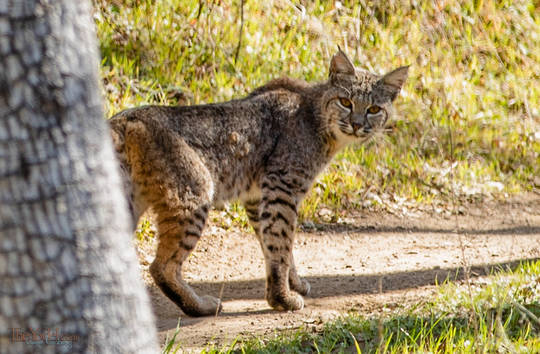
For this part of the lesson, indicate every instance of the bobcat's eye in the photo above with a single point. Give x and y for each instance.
(374, 109)
(345, 102)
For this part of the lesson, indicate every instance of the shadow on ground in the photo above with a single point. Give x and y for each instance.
(369, 229)
(325, 286)
(328, 286)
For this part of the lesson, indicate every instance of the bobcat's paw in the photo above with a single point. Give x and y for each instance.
(287, 302)
(205, 305)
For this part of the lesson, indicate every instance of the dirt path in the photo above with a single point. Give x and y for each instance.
(373, 261)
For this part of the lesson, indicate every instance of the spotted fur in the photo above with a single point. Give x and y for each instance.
(264, 150)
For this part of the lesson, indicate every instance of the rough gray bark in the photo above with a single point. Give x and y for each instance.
(69, 279)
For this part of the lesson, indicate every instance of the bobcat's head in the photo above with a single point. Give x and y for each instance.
(358, 103)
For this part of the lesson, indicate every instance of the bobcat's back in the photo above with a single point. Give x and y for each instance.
(230, 142)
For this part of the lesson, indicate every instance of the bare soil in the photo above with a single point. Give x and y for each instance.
(372, 263)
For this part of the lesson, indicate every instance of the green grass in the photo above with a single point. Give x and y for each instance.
(467, 124)
(500, 314)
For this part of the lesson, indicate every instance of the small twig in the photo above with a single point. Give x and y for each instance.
(220, 297)
(199, 10)
(526, 311)
(466, 266)
(241, 31)
(380, 327)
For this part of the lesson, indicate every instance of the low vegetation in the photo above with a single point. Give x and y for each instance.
(467, 127)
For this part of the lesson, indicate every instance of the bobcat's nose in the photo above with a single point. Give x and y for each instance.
(356, 126)
(357, 122)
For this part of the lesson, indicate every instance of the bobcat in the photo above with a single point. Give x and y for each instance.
(265, 150)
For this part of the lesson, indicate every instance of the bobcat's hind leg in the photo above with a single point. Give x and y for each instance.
(178, 235)
(296, 283)
(171, 178)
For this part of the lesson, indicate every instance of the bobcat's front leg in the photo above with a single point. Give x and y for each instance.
(296, 283)
(277, 222)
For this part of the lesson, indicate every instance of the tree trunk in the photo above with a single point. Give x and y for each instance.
(69, 278)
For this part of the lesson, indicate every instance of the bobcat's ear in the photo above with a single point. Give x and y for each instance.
(393, 81)
(340, 64)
